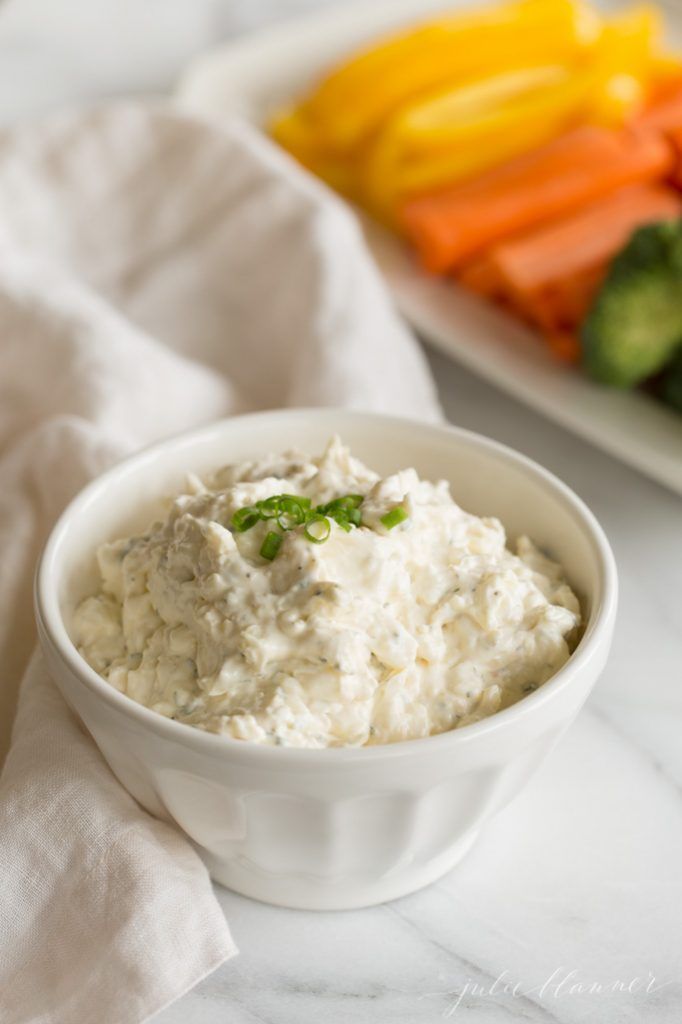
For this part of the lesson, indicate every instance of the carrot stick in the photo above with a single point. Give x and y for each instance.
(565, 345)
(561, 304)
(551, 276)
(450, 227)
(535, 308)
(582, 241)
(564, 305)
(663, 114)
(481, 276)
(570, 299)
(554, 312)
(674, 137)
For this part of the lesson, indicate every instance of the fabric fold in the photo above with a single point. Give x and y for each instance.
(156, 272)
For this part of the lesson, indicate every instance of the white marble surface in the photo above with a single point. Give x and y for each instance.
(570, 908)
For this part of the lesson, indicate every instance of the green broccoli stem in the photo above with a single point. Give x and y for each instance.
(635, 325)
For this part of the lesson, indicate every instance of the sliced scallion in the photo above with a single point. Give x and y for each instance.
(245, 518)
(269, 508)
(271, 545)
(317, 529)
(292, 510)
(394, 517)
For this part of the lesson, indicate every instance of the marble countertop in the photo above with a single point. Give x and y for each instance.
(570, 907)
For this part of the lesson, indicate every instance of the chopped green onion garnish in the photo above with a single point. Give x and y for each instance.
(317, 529)
(271, 545)
(293, 510)
(245, 518)
(289, 520)
(269, 509)
(394, 517)
(303, 502)
(344, 504)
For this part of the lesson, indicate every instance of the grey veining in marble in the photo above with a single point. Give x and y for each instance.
(569, 909)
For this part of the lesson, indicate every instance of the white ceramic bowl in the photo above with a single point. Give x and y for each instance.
(341, 828)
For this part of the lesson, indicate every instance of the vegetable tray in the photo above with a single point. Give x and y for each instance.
(254, 76)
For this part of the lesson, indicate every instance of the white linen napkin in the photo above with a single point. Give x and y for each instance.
(156, 272)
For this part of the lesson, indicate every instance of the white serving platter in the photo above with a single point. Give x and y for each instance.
(257, 74)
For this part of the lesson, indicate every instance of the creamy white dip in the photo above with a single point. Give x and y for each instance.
(374, 636)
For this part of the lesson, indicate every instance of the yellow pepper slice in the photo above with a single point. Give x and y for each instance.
(465, 129)
(453, 97)
(351, 103)
(666, 66)
(416, 153)
(385, 189)
(624, 64)
(457, 113)
(291, 130)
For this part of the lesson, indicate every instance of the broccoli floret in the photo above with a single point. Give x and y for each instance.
(671, 385)
(635, 324)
